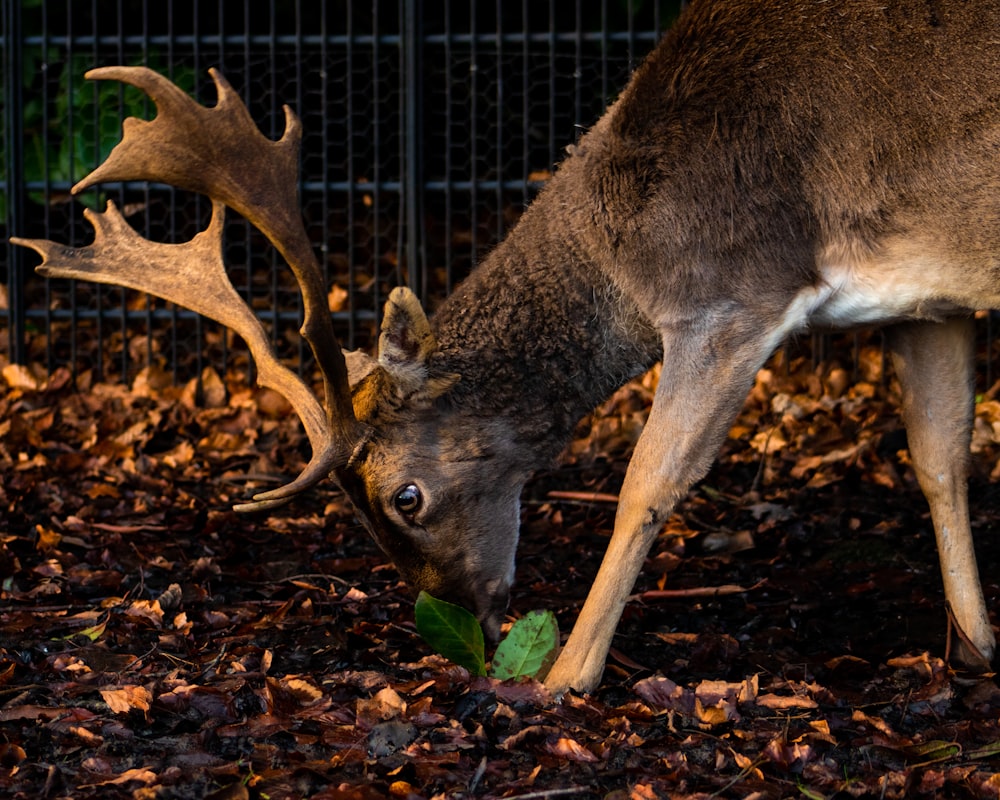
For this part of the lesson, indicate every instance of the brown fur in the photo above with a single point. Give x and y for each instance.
(762, 154)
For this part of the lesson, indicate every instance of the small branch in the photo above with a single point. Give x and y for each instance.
(478, 776)
(583, 497)
(697, 591)
(109, 528)
(541, 795)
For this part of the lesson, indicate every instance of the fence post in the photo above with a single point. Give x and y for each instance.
(411, 42)
(14, 169)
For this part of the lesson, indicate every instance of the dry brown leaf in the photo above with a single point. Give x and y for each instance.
(336, 298)
(48, 539)
(125, 698)
(212, 388)
(180, 456)
(140, 775)
(571, 750)
(146, 609)
(19, 376)
(304, 691)
(385, 705)
(769, 442)
(776, 702)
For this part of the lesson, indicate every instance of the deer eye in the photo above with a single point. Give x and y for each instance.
(408, 500)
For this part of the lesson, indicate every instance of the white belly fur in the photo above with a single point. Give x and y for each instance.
(855, 297)
(906, 281)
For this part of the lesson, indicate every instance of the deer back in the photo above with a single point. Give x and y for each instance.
(764, 143)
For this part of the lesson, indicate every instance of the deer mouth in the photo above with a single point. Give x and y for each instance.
(491, 608)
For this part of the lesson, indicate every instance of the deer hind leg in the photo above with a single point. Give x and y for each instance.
(933, 362)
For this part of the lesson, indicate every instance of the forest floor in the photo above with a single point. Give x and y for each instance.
(786, 639)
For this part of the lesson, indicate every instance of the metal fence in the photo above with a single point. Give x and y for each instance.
(428, 127)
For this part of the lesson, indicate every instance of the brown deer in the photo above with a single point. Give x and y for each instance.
(771, 167)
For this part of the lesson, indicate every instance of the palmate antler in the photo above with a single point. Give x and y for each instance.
(219, 152)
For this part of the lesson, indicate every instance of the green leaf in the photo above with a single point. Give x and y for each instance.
(986, 751)
(452, 631)
(529, 649)
(94, 632)
(809, 794)
(932, 751)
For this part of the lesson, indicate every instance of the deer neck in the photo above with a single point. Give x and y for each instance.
(539, 334)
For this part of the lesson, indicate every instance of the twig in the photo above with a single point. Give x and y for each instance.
(583, 497)
(540, 795)
(743, 773)
(697, 591)
(480, 771)
(107, 527)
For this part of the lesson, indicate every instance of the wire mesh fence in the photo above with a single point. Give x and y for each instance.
(428, 127)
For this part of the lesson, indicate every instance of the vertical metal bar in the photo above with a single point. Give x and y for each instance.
(101, 293)
(245, 228)
(553, 143)
(70, 133)
(303, 350)
(449, 259)
(175, 317)
(148, 301)
(604, 52)
(630, 13)
(199, 321)
(989, 351)
(499, 170)
(120, 59)
(50, 353)
(526, 99)
(578, 120)
(272, 60)
(351, 190)
(324, 154)
(220, 26)
(14, 173)
(412, 41)
(473, 135)
(376, 207)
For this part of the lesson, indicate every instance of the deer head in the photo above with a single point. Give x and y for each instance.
(425, 481)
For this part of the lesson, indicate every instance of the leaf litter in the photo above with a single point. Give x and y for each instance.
(786, 638)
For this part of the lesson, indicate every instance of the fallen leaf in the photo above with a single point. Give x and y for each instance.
(571, 750)
(125, 698)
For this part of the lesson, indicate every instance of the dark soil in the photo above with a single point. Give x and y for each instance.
(787, 638)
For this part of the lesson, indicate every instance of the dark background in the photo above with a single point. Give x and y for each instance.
(428, 128)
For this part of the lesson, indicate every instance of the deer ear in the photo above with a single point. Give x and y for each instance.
(406, 345)
(406, 341)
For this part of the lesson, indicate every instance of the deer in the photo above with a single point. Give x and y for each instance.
(770, 168)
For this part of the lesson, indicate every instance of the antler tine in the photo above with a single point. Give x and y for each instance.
(193, 275)
(220, 152)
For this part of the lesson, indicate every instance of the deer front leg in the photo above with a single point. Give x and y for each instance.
(703, 385)
(934, 364)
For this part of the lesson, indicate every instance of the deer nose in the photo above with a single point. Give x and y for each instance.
(491, 607)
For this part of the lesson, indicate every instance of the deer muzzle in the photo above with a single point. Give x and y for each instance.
(491, 607)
